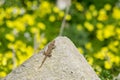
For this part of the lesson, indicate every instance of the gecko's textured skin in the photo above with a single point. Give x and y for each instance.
(47, 53)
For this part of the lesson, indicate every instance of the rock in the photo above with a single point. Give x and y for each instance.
(117, 77)
(66, 63)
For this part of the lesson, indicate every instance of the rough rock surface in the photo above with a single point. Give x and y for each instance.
(66, 63)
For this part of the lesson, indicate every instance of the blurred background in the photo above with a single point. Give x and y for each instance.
(26, 26)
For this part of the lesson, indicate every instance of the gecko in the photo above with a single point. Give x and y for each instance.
(48, 52)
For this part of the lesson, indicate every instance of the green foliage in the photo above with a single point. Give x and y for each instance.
(105, 75)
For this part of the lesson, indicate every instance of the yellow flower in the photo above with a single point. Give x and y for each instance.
(45, 4)
(41, 46)
(102, 11)
(79, 27)
(10, 45)
(98, 68)
(41, 25)
(44, 40)
(102, 53)
(4, 61)
(9, 10)
(88, 46)
(99, 25)
(29, 4)
(107, 65)
(22, 59)
(29, 51)
(33, 30)
(2, 74)
(80, 50)
(88, 15)
(68, 17)
(10, 37)
(93, 10)
(116, 43)
(29, 19)
(18, 53)
(10, 66)
(116, 60)
(116, 13)
(19, 25)
(61, 14)
(99, 55)
(45, 8)
(38, 37)
(23, 48)
(79, 7)
(118, 31)
(56, 9)
(8, 54)
(19, 45)
(118, 37)
(90, 60)
(108, 31)
(89, 26)
(112, 47)
(102, 15)
(52, 18)
(92, 7)
(2, 13)
(9, 24)
(107, 7)
(95, 13)
(99, 35)
(104, 49)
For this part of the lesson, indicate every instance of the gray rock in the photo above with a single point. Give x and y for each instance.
(117, 77)
(66, 63)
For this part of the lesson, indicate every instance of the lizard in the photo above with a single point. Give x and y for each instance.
(47, 53)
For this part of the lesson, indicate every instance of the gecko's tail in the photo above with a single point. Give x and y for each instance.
(42, 62)
(40, 66)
